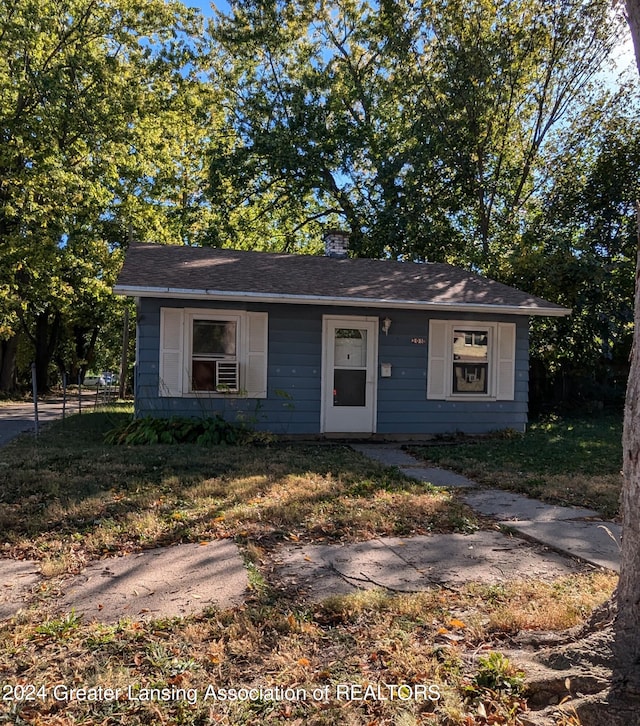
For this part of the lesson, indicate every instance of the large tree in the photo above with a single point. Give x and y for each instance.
(619, 705)
(625, 694)
(418, 125)
(88, 89)
(579, 248)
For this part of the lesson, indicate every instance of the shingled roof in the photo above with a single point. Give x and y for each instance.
(169, 271)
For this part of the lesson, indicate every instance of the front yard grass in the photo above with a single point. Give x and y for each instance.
(69, 498)
(568, 461)
(368, 658)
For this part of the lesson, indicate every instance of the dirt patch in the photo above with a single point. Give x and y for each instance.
(569, 679)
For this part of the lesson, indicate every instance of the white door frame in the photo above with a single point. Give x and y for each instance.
(364, 421)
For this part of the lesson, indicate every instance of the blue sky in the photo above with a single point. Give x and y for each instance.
(205, 5)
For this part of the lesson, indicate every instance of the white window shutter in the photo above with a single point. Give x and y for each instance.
(438, 360)
(506, 363)
(171, 352)
(256, 355)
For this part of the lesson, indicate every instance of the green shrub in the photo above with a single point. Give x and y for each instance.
(211, 431)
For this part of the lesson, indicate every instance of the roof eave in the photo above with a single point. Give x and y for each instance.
(225, 295)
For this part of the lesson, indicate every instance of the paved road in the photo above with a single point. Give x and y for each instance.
(17, 418)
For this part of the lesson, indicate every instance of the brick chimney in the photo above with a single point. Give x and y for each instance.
(336, 243)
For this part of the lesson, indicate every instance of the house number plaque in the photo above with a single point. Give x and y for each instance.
(419, 341)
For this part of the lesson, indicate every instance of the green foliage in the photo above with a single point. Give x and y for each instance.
(496, 673)
(468, 131)
(61, 627)
(580, 250)
(103, 120)
(496, 689)
(419, 125)
(212, 431)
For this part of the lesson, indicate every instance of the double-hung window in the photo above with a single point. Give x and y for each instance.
(470, 373)
(471, 360)
(208, 352)
(214, 353)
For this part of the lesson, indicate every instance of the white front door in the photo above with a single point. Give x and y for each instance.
(349, 367)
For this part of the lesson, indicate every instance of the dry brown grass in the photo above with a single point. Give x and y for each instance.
(69, 498)
(535, 605)
(432, 638)
(70, 502)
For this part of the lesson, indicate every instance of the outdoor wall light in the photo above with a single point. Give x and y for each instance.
(386, 326)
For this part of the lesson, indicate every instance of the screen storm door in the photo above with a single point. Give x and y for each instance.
(349, 374)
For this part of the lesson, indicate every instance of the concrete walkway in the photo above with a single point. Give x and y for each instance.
(573, 531)
(538, 540)
(161, 583)
(165, 582)
(416, 563)
(391, 455)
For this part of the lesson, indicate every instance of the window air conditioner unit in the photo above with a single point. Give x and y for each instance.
(226, 377)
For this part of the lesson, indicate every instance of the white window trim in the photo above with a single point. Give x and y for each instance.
(176, 326)
(495, 363)
(240, 357)
(492, 337)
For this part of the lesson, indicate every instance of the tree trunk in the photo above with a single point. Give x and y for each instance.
(633, 16)
(46, 336)
(85, 348)
(8, 355)
(124, 359)
(626, 676)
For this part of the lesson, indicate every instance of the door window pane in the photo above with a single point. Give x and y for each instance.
(349, 387)
(350, 348)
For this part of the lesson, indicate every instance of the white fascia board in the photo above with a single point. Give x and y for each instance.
(356, 302)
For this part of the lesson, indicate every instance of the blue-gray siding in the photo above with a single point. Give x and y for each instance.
(293, 403)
